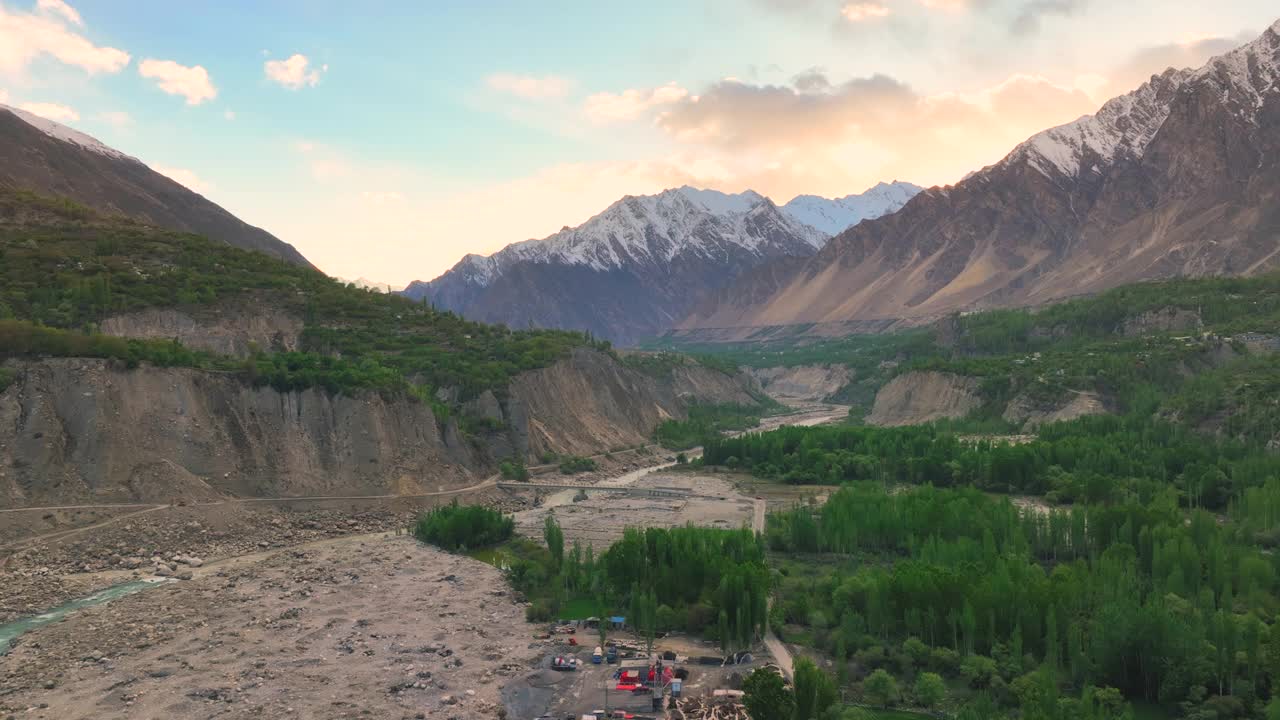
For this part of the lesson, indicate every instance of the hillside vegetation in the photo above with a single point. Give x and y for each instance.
(1202, 352)
(1144, 569)
(64, 269)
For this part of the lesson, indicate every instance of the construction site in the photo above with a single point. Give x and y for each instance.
(679, 678)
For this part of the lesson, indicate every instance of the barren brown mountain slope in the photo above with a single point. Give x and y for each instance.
(1179, 178)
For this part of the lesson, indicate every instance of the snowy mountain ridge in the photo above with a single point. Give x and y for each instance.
(655, 229)
(1127, 124)
(652, 230)
(833, 216)
(66, 134)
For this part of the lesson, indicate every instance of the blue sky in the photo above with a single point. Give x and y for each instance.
(386, 139)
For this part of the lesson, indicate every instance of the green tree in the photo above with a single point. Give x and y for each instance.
(766, 696)
(554, 535)
(1273, 658)
(644, 616)
(880, 688)
(917, 650)
(815, 691)
(930, 689)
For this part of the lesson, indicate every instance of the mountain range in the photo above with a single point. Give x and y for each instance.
(50, 158)
(644, 263)
(1180, 177)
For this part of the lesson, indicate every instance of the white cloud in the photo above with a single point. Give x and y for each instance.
(294, 73)
(607, 107)
(947, 5)
(51, 111)
(530, 87)
(116, 118)
(229, 114)
(192, 83)
(61, 9)
(826, 138)
(184, 177)
(860, 11)
(27, 36)
(4, 96)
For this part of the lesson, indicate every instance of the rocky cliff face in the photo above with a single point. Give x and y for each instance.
(916, 398)
(1030, 413)
(589, 403)
(921, 397)
(804, 383)
(76, 430)
(233, 329)
(1179, 178)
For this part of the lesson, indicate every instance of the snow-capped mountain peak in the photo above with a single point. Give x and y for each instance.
(1127, 124)
(639, 265)
(833, 216)
(721, 203)
(650, 230)
(66, 134)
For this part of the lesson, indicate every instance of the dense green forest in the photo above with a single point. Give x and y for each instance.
(704, 581)
(705, 422)
(63, 267)
(1093, 459)
(1029, 605)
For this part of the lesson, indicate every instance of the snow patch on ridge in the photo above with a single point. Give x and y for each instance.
(833, 216)
(721, 203)
(1126, 125)
(66, 134)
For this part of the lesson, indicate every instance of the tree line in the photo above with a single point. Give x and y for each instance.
(1098, 459)
(1162, 604)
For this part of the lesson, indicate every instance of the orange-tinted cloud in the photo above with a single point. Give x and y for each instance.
(783, 140)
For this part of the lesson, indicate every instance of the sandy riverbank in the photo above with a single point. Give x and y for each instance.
(356, 627)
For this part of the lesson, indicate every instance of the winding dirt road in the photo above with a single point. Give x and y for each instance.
(778, 650)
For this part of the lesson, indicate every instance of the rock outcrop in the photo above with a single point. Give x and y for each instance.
(233, 330)
(589, 403)
(805, 383)
(1031, 413)
(1169, 319)
(921, 397)
(79, 430)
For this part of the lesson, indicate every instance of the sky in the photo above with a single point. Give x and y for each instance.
(386, 139)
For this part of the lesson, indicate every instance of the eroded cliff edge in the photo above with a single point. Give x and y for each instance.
(83, 430)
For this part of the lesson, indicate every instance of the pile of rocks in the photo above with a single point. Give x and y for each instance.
(177, 566)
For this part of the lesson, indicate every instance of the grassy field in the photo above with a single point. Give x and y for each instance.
(578, 609)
